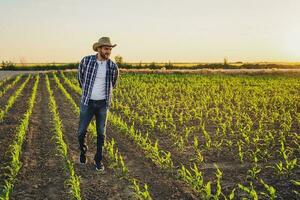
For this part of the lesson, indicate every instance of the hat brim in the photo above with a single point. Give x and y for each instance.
(97, 44)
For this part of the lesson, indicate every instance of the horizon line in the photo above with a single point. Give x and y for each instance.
(177, 62)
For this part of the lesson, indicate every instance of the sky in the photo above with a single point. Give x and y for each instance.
(151, 31)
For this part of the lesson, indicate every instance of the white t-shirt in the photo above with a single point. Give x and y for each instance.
(98, 91)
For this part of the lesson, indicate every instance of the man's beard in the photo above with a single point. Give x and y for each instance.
(105, 56)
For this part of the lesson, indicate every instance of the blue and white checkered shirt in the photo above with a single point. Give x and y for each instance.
(87, 71)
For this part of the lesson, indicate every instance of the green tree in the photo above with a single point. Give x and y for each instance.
(119, 60)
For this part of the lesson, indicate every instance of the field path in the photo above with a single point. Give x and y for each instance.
(4, 74)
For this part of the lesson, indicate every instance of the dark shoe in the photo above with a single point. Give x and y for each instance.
(99, 165)
(82, 158)
(83, 151)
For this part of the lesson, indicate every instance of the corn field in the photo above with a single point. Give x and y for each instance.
(168, 136)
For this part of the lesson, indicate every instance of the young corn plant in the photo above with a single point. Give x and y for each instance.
(253, 172)
(140, 194)
(280, 169)
(249, 190)
(296, 183)
(187, 132)
(241, 153)
(270, 189)
(207, 191)
(218, 144)
(219, 175)
(180, 144)
(193, 177)
(218, 193)
(206, 136)
(198, 154)
(231, 195)
(116, 159)
(289, 164)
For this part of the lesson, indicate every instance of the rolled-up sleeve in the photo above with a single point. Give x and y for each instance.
(80, 76)
(115, 76)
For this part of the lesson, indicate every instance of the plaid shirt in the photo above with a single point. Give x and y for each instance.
(87, 71)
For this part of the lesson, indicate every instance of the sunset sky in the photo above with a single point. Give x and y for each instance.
(156, 30)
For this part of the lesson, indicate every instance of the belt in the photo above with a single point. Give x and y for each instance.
(97, 101)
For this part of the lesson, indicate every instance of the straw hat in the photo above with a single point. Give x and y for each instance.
(101, 42)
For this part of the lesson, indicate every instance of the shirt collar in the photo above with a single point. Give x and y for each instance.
(94, 57)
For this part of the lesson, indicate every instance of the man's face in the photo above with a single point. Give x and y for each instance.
(104, 51)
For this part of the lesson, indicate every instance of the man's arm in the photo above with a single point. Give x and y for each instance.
(80, 72)
(115, 77)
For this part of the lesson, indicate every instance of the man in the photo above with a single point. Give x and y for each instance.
(97, 76)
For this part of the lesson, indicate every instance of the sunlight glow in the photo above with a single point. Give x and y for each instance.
(292, 42)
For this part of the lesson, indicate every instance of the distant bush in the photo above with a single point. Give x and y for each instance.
(5, 65)
(119, 60)
(168, 65)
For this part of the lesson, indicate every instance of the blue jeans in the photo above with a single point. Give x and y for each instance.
(98, 109)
